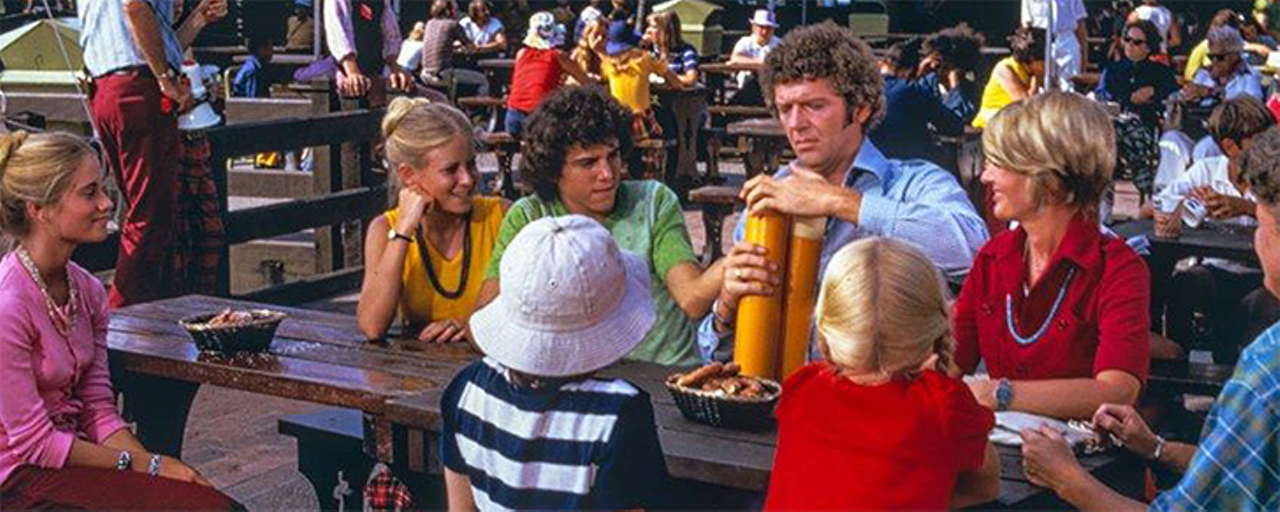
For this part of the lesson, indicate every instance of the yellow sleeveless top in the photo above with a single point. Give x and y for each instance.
(420, 303)
(994, 97)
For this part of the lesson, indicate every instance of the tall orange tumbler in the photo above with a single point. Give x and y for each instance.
(760, 317)
(800, 291)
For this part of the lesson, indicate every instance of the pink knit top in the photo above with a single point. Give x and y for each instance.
(52, 389)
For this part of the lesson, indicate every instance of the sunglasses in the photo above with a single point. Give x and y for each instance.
(1133, 41)
(1219, 56)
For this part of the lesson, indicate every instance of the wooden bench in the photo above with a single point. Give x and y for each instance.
(764, 139)
(716, 202)
(504, 148)
(653, 154)
(1183, 377)
(331, 454)
(739, 110)
(495, 105)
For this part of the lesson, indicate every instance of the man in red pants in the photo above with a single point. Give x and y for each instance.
(133, 51)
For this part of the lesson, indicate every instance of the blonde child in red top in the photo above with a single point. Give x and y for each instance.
(883, 422)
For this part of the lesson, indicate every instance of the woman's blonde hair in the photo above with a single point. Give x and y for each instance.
(883, 308)
(412, 128)
(1063, 141)
(419, 31)
(35, 169)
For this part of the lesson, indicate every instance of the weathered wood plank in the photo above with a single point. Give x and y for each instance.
(287, 377)
(299, 214)
(257, 137)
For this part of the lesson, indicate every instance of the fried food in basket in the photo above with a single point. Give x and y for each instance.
(230, 318)
(723, 380)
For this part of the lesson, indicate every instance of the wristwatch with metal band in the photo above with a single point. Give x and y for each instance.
(1004, 395)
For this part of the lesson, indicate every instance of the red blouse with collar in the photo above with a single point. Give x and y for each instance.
(1102, 322)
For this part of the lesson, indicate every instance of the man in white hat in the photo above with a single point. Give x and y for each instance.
(529, 427)
(754, 47)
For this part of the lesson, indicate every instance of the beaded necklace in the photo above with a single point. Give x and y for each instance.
(1044, 327)
(63, 317)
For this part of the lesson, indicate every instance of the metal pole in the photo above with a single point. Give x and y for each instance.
(317, 28)
(804, 12)
(1050, 64)
(640, 16)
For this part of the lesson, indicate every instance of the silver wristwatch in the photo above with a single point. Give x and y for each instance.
(125, 462)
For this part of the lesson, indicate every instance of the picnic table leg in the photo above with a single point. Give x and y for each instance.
(159, 407)
(712, 222)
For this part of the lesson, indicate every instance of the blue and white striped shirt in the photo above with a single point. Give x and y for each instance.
(108, 43)
(587, 444)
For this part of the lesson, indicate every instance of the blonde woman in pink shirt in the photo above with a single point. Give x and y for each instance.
(62, 443)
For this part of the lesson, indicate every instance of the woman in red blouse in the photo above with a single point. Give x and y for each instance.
(1057, 309)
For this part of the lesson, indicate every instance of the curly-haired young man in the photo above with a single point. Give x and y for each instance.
(824, 86)
(1237, 464)
(575, 144)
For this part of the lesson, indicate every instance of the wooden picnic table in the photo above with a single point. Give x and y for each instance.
(742, 460)
(765, 140)
(687, 107)
(1211, 240)
(321, 357)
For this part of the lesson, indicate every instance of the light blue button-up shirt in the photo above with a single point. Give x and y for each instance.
(909, 200)
(108, 43)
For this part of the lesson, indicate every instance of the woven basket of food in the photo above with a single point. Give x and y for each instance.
(233, 330)
(717, 395)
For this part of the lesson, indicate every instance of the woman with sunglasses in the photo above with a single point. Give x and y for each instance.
(1228, 75)
(1138, 83)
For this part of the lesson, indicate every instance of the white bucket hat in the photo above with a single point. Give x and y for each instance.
(571, 301)
(764, 18)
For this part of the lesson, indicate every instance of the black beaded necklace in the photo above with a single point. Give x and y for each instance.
(466, 262)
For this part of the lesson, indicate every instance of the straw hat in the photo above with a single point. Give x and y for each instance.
(571, 301)
(544, 32)
(764, 18)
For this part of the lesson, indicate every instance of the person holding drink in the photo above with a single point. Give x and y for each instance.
(838, 176)
(1227, 294)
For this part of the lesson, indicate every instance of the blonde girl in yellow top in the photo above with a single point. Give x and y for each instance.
(427, 257)
(1016, 77)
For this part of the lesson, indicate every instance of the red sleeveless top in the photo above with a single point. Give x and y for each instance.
(537, 74)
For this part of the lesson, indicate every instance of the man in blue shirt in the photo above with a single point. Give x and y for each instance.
(133, 51)
(824, 85)
(1237, 463)
(253, 80)
(913, 110)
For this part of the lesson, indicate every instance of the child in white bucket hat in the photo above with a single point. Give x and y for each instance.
(528, 427)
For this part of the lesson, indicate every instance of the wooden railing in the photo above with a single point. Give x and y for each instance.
(353, 193)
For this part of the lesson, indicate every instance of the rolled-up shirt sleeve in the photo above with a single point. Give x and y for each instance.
(99, 419)
(935, 215)
(338, 33)
(391, 38)
(30, 434)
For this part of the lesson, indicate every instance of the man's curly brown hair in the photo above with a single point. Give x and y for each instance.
(828, 51)
(582, 116)
(1260, 165)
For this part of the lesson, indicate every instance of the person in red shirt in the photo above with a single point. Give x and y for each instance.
(882, 422)
(1057, 309)
(540, 70)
